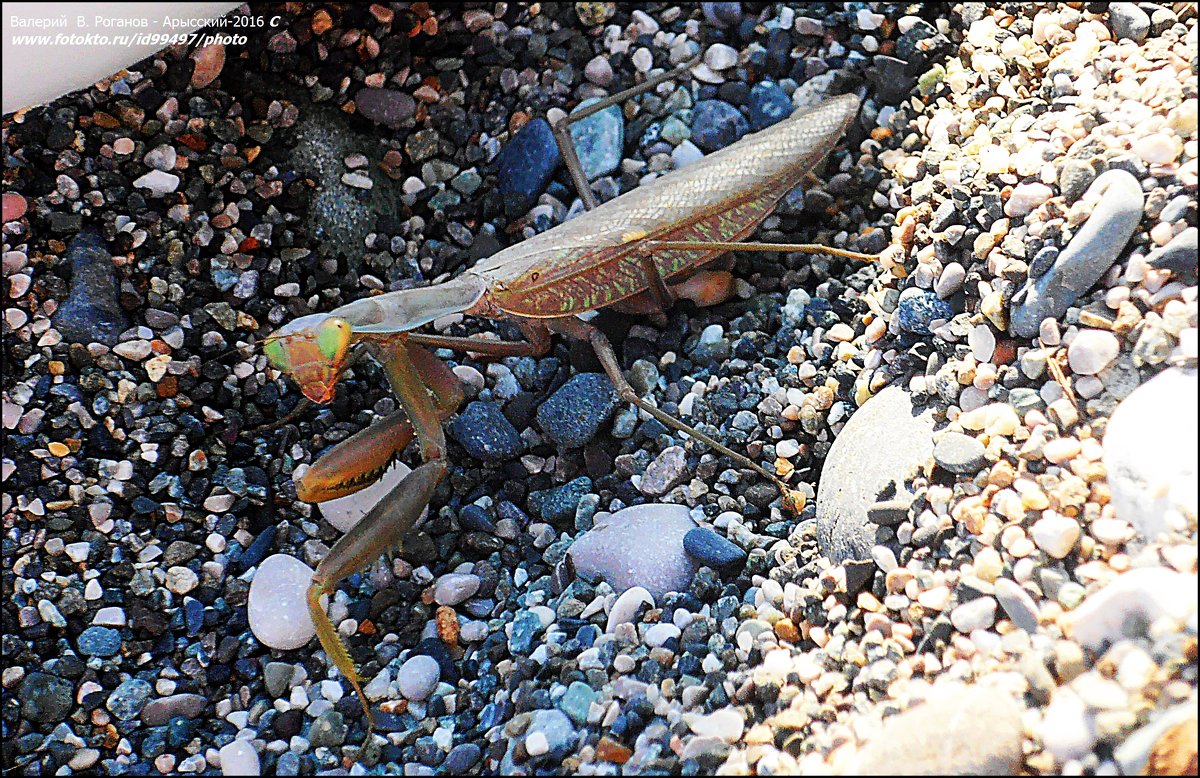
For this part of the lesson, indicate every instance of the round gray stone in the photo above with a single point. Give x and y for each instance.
(860, 472)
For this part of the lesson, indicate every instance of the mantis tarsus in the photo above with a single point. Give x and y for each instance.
(636, 253)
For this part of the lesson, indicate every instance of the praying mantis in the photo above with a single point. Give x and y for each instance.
(636, 253)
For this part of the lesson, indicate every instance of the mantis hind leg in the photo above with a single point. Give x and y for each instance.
(562, 133)
(581, 330)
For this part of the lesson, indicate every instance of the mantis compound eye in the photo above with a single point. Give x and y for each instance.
(312, 350)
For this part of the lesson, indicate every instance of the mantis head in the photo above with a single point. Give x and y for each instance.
(313, 350)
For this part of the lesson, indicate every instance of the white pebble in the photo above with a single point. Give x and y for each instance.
(1055, 534)
(1027, 197)
(1091, 351)
(276, 607)
(626, 608)
(418, 677)
(720, 56)
(239, 758)
(982, 341)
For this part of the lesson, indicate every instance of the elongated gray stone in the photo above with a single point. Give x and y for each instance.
(1119, 203)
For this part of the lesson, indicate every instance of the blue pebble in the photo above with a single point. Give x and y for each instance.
(710, 549)
(91, 312)
(128, 699)
(256, 552)
(193, 615)
(576, 411)
(1089, 255)
(587, 635)
(1043, 261)
(462, 758)
(486, 433)
(559, 503)
(768, 104)
(576, 702)
(526, 626)
(99, 641)
(918, 310)
(527, 162)
(599, 139)
(475, 519)
(716, 124)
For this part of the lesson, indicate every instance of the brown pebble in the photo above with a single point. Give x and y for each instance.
(1175, 751)
(210, 60)
(785, 629)
(321, 22)
(447, 625)
(14, 206)
(608, 750)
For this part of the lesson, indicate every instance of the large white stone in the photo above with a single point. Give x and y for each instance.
(639, 546)
(1134, 601)
(239, 758)
(1150, 452)
(345, 512)
(276, 607)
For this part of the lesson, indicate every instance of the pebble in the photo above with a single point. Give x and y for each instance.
(638, 546)
(276, 606)
(959, 453)
(1018, 604)
(664, 473)
(91, 312)
(486, 434)
(1055, 534)
(958, 730)
(709, 549)
(14, 206)
(99, 641)
(1025, 198)
(158, 182)
(979, 613)
(210, 60)
(1138, 597)
(1087, 257)
(716, 124)
(239, 758)
(1129, 21)
(918, 309)
(1150, 453)
(574, 414)
(455, 588)
(389, 107)
(527, 161)
(725, 724)
(1178, 255)
(45, 698)
(769, 103)
(1091, 351)
(418, 677)
(599, 139)
(1066, 730)
(857, 470)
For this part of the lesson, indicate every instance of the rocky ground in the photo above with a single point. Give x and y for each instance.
(997, 570)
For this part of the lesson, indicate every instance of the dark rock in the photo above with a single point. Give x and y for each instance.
(768, 104)
(559, 503)
(485, 433)
(576, 411)
(1128, 21)
(388, 107)
(91, 313)
(917, 311)
(1088, 257)
(708, 548)
(45, 699)
(1178, 256)
(526, 163)
(716, 124)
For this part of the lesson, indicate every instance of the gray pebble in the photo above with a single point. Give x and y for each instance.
(959, 453)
